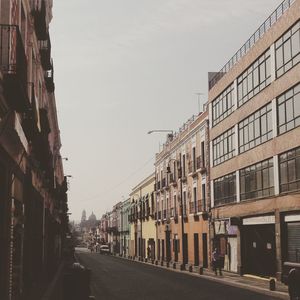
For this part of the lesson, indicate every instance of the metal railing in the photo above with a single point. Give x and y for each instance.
(12, 53)
(257, 35)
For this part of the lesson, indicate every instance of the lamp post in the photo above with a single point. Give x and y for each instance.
(181, 208)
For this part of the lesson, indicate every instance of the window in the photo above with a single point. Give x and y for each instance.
(288, 106)
(289, 170)
(223, 105)
(255, 78)
(225, 189)
(256, 129)
(288, 50)
(223, 147)
(257, 181)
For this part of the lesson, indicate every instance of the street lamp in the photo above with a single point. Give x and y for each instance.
(181, 208)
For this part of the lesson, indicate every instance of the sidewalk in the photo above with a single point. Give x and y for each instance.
(249, 282)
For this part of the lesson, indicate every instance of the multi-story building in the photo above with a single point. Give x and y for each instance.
(142, 218)
(124, 227)
(33, 206)
(182, 193)
(103, 226)
(254, 112)
(113, 230)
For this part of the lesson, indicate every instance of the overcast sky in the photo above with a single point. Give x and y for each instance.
(124, 67)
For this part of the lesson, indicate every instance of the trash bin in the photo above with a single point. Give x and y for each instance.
(76, 284)
(293, 281)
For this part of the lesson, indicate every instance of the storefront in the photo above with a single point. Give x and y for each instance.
(291, 238)
(258, 245)
(225, 239)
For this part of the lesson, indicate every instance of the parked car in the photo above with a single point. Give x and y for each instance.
(104, 249)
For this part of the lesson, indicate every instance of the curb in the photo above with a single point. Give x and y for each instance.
(260, 290)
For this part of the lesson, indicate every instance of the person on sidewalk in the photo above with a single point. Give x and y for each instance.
(216, 262)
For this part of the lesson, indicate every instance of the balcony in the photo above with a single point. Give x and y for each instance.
(163, 183)
(49, 79)
(192, 168)
(45, 53)
(159, 215)
(195, 207)
(31, 118)
(201, 164)
(13, 65)
(157, 185)
(38, 11)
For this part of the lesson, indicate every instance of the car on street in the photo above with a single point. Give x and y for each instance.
(104, 249)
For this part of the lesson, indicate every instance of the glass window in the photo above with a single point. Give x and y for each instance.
(255, 78)
(225, 189)
(289, 165)
(258, 180)
(223, 105)
(288, 109)
(223, 147)
(256, 129)
(287, 50)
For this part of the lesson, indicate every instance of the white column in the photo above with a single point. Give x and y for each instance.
(236, 139)
(211, 153)
(274, 117)
(237, 185)
(235, 94)
(276, 174)
(273, 62)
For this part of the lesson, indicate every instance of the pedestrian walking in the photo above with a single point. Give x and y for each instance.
(216, 262)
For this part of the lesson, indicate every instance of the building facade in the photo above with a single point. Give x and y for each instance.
(142, 219)
(124, 227)
(33, 206)
(182, 195)
(254, 112)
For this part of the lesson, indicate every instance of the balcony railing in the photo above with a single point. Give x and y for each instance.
(200, 163)
(257, 35)
(195, 206)
(45, 53)
(13, 65)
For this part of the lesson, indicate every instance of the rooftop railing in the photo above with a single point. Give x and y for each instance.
(257, 35)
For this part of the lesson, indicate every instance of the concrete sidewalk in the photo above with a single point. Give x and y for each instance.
(249, 282)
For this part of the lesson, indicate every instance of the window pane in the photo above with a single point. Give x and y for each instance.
(279, 57)
(297, 105)
(287, 51)
(295, 43)
(291, 171)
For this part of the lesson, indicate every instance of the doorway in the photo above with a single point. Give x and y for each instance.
(259, 253)
(196, 249)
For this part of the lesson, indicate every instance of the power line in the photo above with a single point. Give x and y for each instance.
(113, 188)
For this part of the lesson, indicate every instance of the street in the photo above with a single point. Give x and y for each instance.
(114, 278)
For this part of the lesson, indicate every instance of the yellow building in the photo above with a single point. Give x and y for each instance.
(142, 220)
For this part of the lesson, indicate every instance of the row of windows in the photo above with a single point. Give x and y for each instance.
(223, 105)
(254, 79)
(256, 129)
(289, 163)
(288, 50)
(289, 110)
(223, 147)
(225, 189)
(258, 75)
(257, 181)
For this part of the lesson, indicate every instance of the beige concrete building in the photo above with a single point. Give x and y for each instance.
(182, 194)
(142, 220)
(254, 112)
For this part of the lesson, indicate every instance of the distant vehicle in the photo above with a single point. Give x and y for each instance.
(104, 249)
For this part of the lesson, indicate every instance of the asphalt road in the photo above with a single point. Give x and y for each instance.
(115, 278)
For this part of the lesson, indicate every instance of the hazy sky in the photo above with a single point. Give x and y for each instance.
(124, 67)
